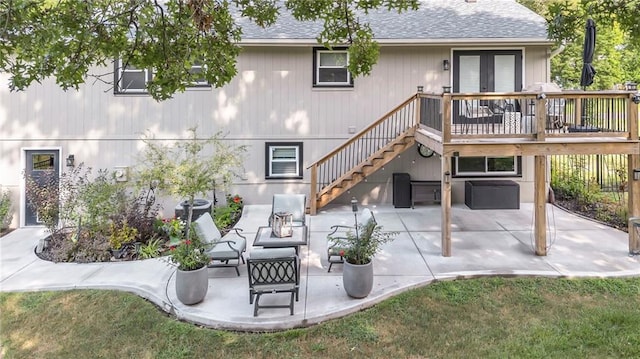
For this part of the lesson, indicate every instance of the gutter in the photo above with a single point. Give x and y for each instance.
(557, 51)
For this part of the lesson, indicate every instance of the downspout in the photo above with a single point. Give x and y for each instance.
(557, 51)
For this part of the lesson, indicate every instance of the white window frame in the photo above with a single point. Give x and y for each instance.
(121, 70)
(271, 147)
(486, 172)
(204, 83)
(318, 67)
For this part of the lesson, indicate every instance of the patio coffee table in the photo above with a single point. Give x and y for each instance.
(265, 238)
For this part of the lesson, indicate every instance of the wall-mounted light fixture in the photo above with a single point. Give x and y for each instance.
(445, 65)
(636, 174)
(71, 161)
(631, 86)
(446, 89)
(447, 177)
(420, 88)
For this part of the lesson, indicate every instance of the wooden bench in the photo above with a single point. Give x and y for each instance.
(425, 191)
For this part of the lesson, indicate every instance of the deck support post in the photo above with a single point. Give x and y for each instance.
(313, 200)
(445, 204)
(633, 198)
(540, 205)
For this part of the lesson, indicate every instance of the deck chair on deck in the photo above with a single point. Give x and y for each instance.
(224, 251)
(334, 246)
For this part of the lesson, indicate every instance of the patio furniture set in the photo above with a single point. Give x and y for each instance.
(274, 268)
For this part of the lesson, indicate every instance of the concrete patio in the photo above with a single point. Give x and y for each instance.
(485, 243)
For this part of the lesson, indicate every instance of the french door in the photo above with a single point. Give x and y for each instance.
(484, 71)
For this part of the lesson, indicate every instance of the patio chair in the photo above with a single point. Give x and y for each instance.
(270, 271)
(226, 250)
(339, 233)
(291, 203)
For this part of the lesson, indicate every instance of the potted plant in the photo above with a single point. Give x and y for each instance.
(192, 279)
(359, 246)
(185, 170)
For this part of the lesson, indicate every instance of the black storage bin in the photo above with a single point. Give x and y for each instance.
(494, 194)
(200, 206)
(401, 190)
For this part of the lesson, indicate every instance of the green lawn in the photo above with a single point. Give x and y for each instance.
(480, 318)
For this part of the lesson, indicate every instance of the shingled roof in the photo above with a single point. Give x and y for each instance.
(436, 21)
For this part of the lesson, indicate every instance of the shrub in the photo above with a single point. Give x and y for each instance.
(5, 208)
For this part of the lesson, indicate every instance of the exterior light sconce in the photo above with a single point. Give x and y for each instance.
(71, 161)
(631, 86)
(447, 177)
(446, 89)
(420, 88)
(445, 65)
(636, 174)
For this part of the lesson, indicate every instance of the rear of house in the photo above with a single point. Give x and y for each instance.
(291, 102)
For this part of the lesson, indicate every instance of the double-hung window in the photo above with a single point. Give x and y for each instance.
(487, 166)
(131, 79)
(330, 68)
(197, 69)
(283, 160)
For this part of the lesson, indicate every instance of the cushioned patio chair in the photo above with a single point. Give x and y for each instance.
(334, 246)
(291, 203)
(224, 251)
(273, 270)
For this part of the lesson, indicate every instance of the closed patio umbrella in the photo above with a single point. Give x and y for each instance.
(588, 72)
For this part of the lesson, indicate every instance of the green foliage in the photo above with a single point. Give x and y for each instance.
(184, 171)
(360, 249)
(189, 255)
(476, 318)
(616, 57)
(64, 39)
(5, 208)
(151, 249)
(121, 234)
(101, 200)
(225, 217)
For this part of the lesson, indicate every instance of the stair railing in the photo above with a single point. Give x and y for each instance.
(356, 151)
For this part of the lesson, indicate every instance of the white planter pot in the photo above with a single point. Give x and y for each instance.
(192, 286)
(357, 279)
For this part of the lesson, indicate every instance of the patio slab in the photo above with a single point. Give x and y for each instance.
(484, 243)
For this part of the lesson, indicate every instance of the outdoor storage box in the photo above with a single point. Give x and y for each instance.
(493, 194)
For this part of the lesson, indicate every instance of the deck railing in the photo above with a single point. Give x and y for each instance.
(527, 115)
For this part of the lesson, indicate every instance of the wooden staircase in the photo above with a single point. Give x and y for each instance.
(363, 154)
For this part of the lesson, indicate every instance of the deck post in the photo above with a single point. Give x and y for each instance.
(417, 120)
(633, 198)
(313, 200)
(540, 205)
(445, 204)
(541, 118)
(446, 118)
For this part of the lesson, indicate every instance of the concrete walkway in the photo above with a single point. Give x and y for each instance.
(485, 243)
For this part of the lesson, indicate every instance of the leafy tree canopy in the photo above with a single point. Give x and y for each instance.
(66, 38)
(617, 58)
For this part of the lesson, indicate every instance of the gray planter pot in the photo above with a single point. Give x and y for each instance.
(192, 286)
(357, 279)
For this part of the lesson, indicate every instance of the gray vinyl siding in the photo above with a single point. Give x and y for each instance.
(270, 99)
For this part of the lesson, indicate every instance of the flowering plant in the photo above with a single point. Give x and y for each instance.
(189, 255)
(234, 202)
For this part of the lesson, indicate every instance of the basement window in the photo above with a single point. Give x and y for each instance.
(283, 160)
(509, 166)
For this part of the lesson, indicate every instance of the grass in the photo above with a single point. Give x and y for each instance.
(488, 318)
